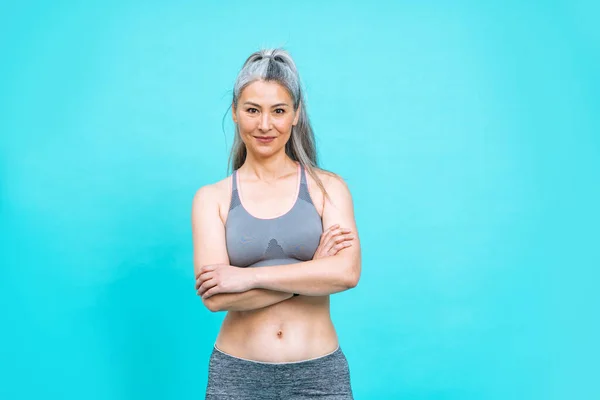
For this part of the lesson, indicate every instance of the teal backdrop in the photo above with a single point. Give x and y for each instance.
(468, 133)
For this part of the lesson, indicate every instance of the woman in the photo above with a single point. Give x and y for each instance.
(260, 251)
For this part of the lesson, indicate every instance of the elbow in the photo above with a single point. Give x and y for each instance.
(211, 304)
(353, 276)
(352, 283)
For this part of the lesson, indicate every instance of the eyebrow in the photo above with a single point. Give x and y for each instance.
(258, 105)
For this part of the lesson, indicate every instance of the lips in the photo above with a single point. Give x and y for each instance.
(264, 139)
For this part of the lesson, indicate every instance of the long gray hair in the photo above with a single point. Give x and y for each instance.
(276, 65)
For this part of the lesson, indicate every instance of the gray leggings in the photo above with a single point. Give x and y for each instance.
(234, 378)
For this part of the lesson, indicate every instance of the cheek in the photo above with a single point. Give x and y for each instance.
(246, 125)
(284, 124)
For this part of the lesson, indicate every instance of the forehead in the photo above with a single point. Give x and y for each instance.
(265, 92)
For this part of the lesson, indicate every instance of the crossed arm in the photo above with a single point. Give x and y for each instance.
(271, 285)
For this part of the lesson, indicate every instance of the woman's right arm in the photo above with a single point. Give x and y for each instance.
(208, 234)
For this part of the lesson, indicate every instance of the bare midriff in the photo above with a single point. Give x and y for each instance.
(296, 329)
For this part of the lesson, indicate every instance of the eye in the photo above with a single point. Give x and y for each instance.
(250, 110)
(279, 109)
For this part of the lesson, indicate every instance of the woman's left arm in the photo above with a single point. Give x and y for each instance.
(325, 275)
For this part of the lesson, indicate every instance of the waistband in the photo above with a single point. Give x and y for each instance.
(338, 348)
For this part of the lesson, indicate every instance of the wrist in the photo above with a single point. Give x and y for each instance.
(253, 277)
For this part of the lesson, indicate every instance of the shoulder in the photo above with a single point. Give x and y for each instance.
(338, 206)
(337, 192)
(213, 194)
(333, 183)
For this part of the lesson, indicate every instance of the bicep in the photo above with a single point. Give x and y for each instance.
(208, 232)
(339, 209)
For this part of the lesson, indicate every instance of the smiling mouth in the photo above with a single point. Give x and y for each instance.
(264, 139)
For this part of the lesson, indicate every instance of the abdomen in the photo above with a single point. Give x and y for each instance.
(295, 329)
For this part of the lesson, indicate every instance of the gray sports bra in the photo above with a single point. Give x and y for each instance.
(290, 238)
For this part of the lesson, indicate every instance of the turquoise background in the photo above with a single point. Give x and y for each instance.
(467, 132)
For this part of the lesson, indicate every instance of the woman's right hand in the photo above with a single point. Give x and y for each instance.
(332, 241)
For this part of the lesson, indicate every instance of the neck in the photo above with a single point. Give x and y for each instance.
(268, 169)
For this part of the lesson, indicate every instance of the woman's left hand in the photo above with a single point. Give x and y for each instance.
(222, 278)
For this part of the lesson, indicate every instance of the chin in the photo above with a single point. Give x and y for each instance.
(265, 151)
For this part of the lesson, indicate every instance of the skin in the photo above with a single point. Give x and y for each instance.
(264, 322)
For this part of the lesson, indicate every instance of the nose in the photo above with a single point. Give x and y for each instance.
(265, 123)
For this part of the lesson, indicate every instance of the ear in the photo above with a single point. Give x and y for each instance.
(297, 117)
(233, 111)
